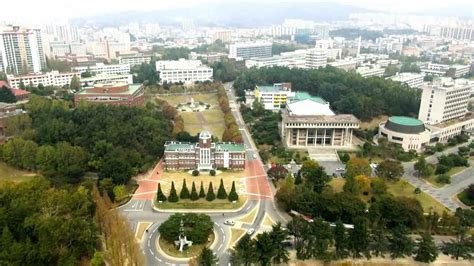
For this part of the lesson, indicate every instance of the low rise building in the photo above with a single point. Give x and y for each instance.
(247, 50)
(413, 80)
(134, 59)
(204, 155)
(371, 71)
(185, 71)
(273, 97)
(295, 59)
(344, 64)
(106, 79)
(112, 94)
(53, 78)
(101, 68)
(316, 58)
(409, 132)
(308, 121)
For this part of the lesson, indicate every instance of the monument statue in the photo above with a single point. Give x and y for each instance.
(182, 240)
(192, 105)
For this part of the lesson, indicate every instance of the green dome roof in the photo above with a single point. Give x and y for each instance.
(403, 124)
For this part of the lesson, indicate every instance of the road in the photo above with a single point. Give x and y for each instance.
(260, 195)
(446, 194)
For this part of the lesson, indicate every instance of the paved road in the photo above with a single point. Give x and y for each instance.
(445, 194)
(262, 191)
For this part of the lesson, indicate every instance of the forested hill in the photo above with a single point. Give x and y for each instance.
(347, 92)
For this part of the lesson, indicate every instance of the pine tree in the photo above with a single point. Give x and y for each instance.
(6, 95)
(173, 197)
(233, 196)
(379, 241)
(210, 193)
(159, 194)
(207, 258)
(221, 193)
(426, 249)
(202, 193)
(298, 179)
(340, 241)
(184, 194)
(194, 195)
(401, 245)
(359, 239)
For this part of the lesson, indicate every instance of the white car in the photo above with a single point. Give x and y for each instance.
(340, 169)
(250, 231)
(229, 222)
(254, 156)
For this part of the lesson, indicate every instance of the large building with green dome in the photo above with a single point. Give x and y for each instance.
(410, 133)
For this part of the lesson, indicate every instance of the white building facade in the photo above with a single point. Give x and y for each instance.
(242, 51)
(53, 78)
(185, 71)
(316, 58)
(101, 68)
(413, 80)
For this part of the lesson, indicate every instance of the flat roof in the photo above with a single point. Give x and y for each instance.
(342, 118)
(406, 121)
(269, 88)
(174, 146)
(231, 147)
(300, 96)
(131, 90)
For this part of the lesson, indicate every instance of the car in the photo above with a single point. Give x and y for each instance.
(254, 156)
(229, 222)
(340, 169)
(250, 231)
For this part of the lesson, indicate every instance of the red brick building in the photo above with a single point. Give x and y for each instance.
(204, 155)
(114, 94)
(20, 94)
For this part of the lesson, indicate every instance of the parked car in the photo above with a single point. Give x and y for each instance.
(340, 169)
(229, 222)
(250, 231)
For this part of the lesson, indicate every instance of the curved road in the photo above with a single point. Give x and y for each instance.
(261, 194)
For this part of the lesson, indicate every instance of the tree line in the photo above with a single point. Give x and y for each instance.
(231, 132)
(347, 92)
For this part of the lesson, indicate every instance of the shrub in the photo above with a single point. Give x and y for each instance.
(198, 227)
(202, 193)
(210, 193)
(233, 196)
(194, 195)
(195, 172)
(212, 172)
(443, 179)
(417, 190)
(159, 194)
(173, 197)
(221, 193)
(184, 194)
(441, 169)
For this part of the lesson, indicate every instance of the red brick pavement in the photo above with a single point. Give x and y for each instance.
(147, 187)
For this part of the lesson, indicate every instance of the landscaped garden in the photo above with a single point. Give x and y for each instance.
(467, 196)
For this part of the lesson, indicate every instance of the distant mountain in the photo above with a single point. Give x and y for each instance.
(230, 14)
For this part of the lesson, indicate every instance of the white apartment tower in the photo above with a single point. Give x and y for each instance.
(316, 58)
(242, 51)
(444, 99)
(21, 50)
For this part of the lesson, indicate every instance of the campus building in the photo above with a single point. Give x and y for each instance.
(243, 51)
(204, 155)
(185, 71)
(316, 58)
(273, 97)
(106, 79)
(413, 80)
(410, 133)
(53, 78)
(101, 68)
(370, 71)
(308, 121)
(112, 94)
(134, 59)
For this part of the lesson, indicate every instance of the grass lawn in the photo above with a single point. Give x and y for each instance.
(279, 160)
(404, 189)
(172, 250)
(236, 234)
(455, 170)
(464, 198)
(432, 180)
(177, 177)
(8, 173)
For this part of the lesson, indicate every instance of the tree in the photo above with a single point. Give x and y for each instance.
(210, 193)
(195, 172)
(160, 196)
(184, 194)
(173, 196)
(423, 169)
(359, 239)
(378, 241)
(358, 166)
(277, 172)
(401, 245)
(194, 195)
(351, 186)
(314, 175)
(202, 194)
(75, 84)
(221, 193)
(245, 252)
(233, 196)
(279, 236)
(197, 227)
(426, 250)
(286, 193)
(341, 241)
(6, 95)
(390, 169)
(266, 248)
(207, 258)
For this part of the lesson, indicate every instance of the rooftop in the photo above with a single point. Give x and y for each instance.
(231, 147)
(300, 96)
(406, 121)
(131, 89)
(174, 146)
(342, 118)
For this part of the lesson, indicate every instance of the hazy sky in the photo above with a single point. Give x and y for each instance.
(50, 10)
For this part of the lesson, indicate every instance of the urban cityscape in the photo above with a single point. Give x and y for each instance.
(314, 132)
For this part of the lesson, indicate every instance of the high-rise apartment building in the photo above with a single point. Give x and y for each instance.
(21, 50)
(224, 35)
(444, 99)
(248, 50)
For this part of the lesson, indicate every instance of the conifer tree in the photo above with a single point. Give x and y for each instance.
(194, 195)
(210, 193)
(184, 194)
(202, 193)
(233, 196)
(173, 197)
(221, 193)
(159, 194)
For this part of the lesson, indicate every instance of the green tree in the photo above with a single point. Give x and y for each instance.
(351, 186)
(390, 169)
(202, 194)
(379, 244)
(359, 239)
(358, 166)
(426, 250)
(423, 169)
(210, 193)
(160, 196)
(401, 245)
(221, 193)
(315, 175)
(266, 248)
(279, 235)
(245, 252)
(173, 196)
(233, 196)
(6, 95)
(184, 194)
(340, 241)
(207, 258)
(3, 76)
(194, 195)
(75, 84)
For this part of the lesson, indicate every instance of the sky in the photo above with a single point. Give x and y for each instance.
(54, 10)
